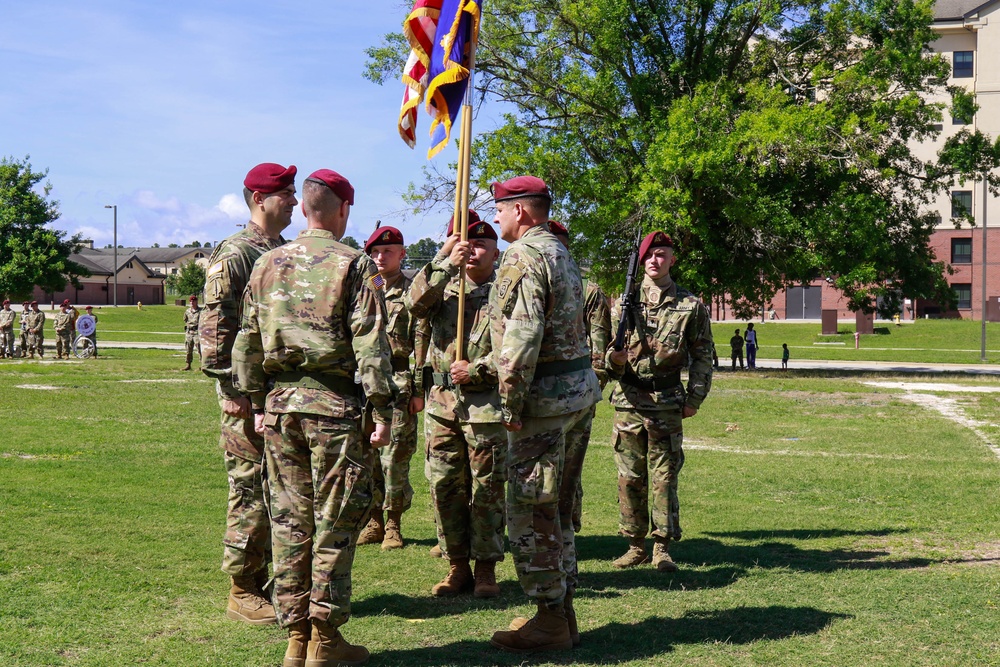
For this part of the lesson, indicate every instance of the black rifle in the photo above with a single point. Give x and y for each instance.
(627, 323)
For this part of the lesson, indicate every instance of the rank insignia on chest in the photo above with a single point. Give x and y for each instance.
(377, 281)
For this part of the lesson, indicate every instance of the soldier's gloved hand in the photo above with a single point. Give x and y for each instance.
(239, 407)
(380, 436)
(460, 372)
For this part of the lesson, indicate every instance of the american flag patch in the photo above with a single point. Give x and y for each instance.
(377, 281)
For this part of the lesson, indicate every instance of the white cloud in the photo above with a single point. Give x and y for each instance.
(234, 206)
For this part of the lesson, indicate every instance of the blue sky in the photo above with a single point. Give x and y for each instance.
(161, 108)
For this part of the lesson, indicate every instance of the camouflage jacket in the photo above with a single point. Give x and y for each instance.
(63, 322)
(228, 272)
(33, 321)
(434, 296)
(538, 330)
(400, 329)
(191, 318)
(312, 307)
(672, 327)
(598, 316)
(7, 318)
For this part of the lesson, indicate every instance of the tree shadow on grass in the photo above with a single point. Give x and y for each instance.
(617, 643)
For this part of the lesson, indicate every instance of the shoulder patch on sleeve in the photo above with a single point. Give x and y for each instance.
(215, 268)
(506, 285)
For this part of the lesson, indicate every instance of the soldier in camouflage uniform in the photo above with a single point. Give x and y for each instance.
(25, 311)
(7, 316)
(547, 390)
(466, 445)
(63, 324)
(671, 326)
(313, 317)
(192, 316)
(393, 492)
(269, 190)
(597, 315)
(34, 322)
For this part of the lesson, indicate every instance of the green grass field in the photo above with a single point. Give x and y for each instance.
(827, 522)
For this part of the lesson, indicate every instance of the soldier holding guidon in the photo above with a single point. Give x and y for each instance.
(671, 326)
(466, 445)
(313, 317)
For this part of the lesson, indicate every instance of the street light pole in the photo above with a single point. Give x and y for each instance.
(986, 191)
(115, 243)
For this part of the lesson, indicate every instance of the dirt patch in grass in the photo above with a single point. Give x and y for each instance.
(42, 387)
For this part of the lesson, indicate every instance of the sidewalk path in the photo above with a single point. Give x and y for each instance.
(877, 366)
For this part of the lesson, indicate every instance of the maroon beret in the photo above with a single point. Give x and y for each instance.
(521, 186)
(479, 230)
(65, 302)
(269, 177)
(331, 179)
(384, 236)
(193, 298)
(558, 228)
(33, 303)
(89, 308)
(473, 219)
(6, 302)
(655, 239)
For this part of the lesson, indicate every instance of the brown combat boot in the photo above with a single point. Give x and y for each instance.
(393, 532)
(458, 580)
(374, 532)
(247, 604)
(298, 643)
(661, 559)
(436, 552)
(486, 579)
(328, 648)
(547, 631)
(574, 631)
(636, 554)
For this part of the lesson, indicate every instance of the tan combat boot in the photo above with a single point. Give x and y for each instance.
(661, 559)
(298, 644)
(636, 554)
(486, 580)
(547, 631)
(246, 603)
(374, 532)
(458, 580)
(393, 532)
(328, 648)
(574, 630)
(436, 552)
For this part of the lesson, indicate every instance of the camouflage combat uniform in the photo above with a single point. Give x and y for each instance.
(546, 382)
(64, 328)
(248, 533)
(34, 322)
(191, 317)
(392, 489)
(312, 319)
(597, 315)
(7, 316)
(672, 326)
(466, 444)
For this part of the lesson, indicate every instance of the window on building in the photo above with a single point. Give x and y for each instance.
(963, 292)
(173, 271)
(961, 251)
(199, 255)
(962, 65)
(128, 265)
(961, 203)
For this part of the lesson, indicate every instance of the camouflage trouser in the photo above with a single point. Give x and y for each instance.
(391, 477)
(578, 496)
(36, 343)
(191, 343)
(247, 544)
(545, 459)
(648, 452)
(24, 343)
(320, 497)
(466, 468)
(64, 344)
(7, 342)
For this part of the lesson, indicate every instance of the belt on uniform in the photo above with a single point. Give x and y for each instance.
(546, 369)
(663, 383)
(339, 384)
(399, 365)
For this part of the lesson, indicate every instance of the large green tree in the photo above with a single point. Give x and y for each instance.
(189, 280)
(31, 252)
(773, 138)
(421, 252)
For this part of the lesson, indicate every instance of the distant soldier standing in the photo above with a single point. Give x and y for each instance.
(547, 390)
(466, 444)
(671, 326)
(736, 345)
(313, 317)
(597, 315)
(269, 191)
(63, 323)
(93, 336)
(393, 492)
(35, 322)
(7, 316)
(25, 313)
(192, 316)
